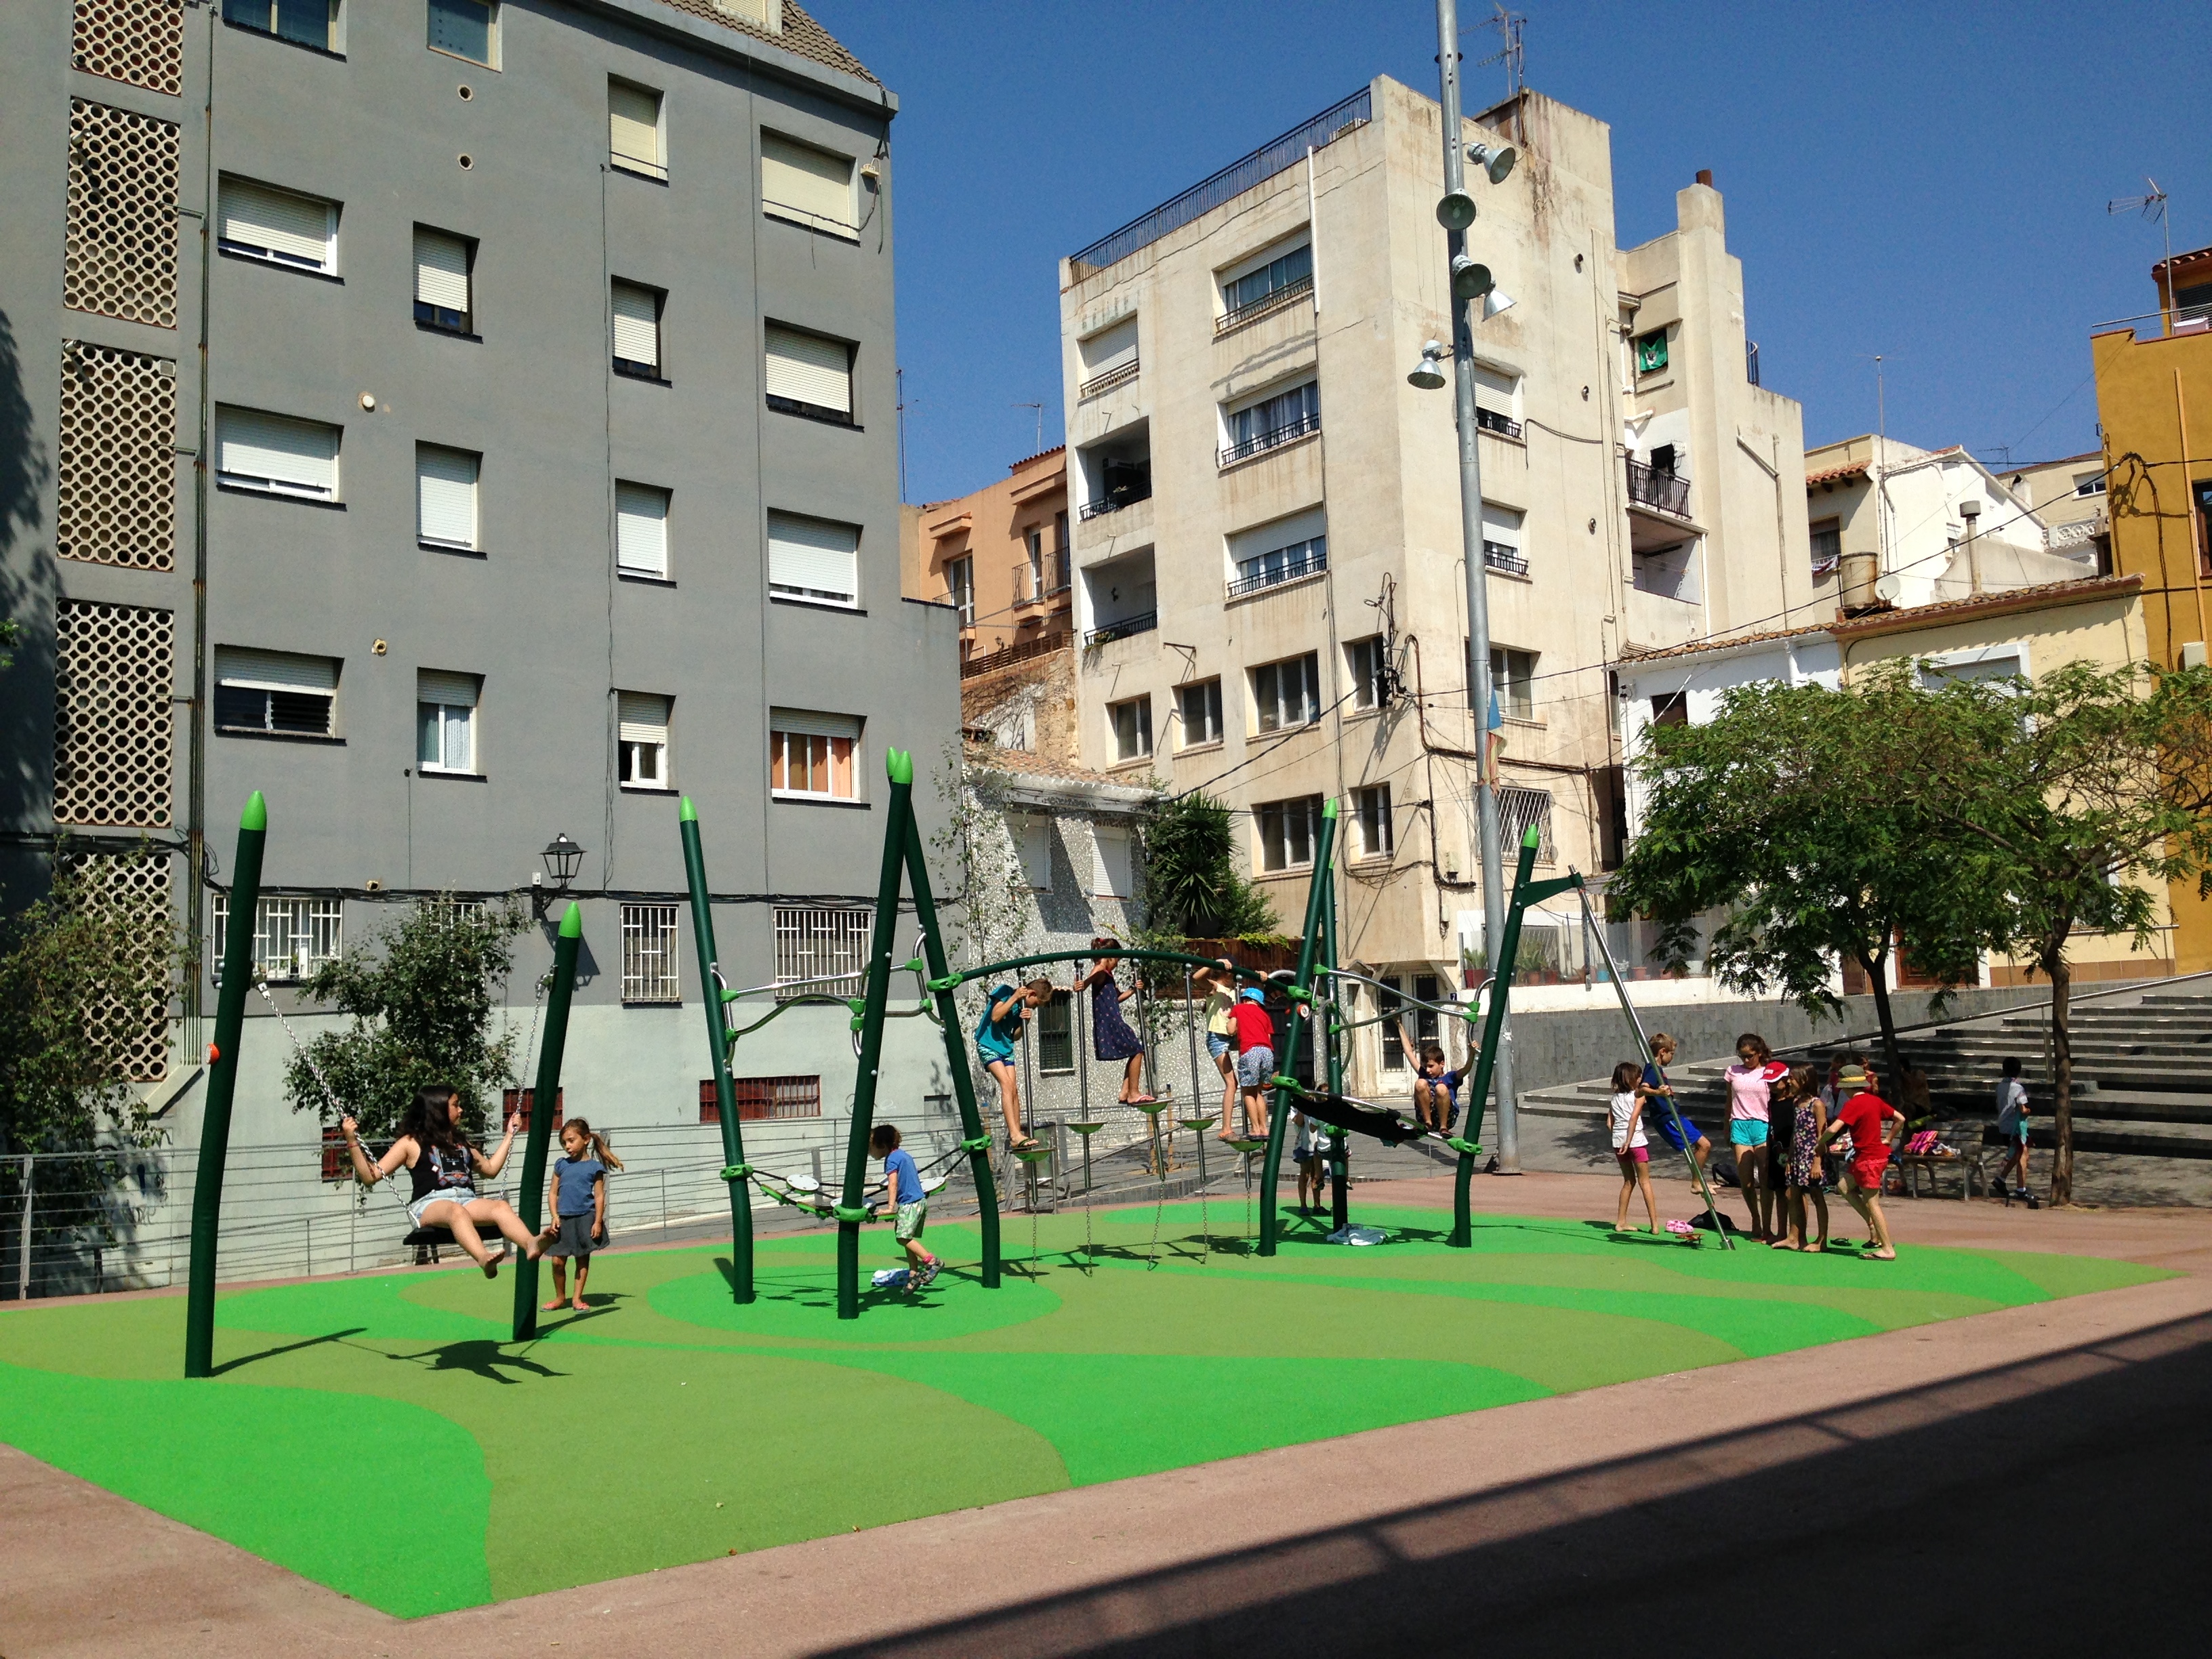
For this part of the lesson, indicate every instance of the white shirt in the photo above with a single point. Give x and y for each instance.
(1623, 1108)
(2012, 1101)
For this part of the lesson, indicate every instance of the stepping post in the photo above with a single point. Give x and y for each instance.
(1300, 1004)
(717, 1054)
(542, 1100)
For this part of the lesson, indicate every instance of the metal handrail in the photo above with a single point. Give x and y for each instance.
(1308, 565)
(1144, 622)
(1105, 504)
(1272, 300)
(1274, 438)
(1120, 375)
(1669, 492)
(1495, 556)
(1489, 420)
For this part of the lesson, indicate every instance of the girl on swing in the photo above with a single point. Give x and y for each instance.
(444, 1165)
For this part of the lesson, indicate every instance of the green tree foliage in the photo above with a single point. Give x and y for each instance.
(1193, 886)
(421, 1002)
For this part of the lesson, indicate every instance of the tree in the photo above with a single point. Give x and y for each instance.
(421, 1007)
(2065, 804)
(1778, 817)
(1191, 878)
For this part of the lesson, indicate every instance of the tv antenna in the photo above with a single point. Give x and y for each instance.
(1510, 51)
(1039, 408)
(2152, 207)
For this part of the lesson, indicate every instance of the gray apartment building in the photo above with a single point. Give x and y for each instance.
(469, 423)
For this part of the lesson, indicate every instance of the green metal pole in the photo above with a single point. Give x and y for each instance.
(1339, 1144)
(1271, 1167)
(1501, 981)
(543, 1100)
(222, 1083)
(718, 1047)
(974, 1136)
(900, 766)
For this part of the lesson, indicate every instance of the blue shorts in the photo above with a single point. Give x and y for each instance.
(1216, 1045)
(1664, 1123)
(1748, 1132)
(991, 1057)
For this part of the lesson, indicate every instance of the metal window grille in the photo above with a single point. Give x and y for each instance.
(648, 953)
(292, 937)
(114, 734)
(828, 946)
(120, 247)
(1055, 1034)
(524, 1100)
(115, 501)
(132, 1031)
(138, 42)
(1518, 809)
(457, 910)
(775, 1098)
(1389, 1001)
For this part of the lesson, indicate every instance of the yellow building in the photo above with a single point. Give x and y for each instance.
(2154, 402)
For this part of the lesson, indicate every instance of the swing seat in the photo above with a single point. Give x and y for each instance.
(431, 1239)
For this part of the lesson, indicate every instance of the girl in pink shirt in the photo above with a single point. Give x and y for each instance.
(1751, 1083)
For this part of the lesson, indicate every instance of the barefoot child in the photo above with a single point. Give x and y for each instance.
(1751, 1083)
(576, 1199)
(1861, 1117)
(1659, 1105)
(444, 1164)
(1801, 1171)
(1220, 984)
(903, 1182)
(997, 1038)
(1111, 1039)
(1631, 1149)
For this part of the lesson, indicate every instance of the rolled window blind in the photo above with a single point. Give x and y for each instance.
(453, 690)
(642, 717)
(633, 126)
(809, 723)
(274, 671)
(441, 269)
(812, 183)
(1494, 391)
(1115, 348)
(276, 451)
(641, 529)
(445, 495)
(813, 558)
(810, 369)
(294, 228)
(1501, 524)
(637, 325)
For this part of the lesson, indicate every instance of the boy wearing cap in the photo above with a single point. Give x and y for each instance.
(1861, 1114)
(1254, 1032)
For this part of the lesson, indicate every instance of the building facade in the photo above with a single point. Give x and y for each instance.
(1268, 590)
(2068, 495)
(468, 424)
(999, 558)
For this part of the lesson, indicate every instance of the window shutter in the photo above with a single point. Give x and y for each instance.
(810, 369)
(633, 126)
(637, 325)
(275, 671)
(301, 455)
(453, 690)
(446, 494)
(1501, 524)
(294, 227)
(1037, 852)
(1493, 390)
(1113, 879)
(813, 557)
(642, 717)
(1111, 349)
(641, 529)
(815, 184)
(441, 270)
(810, 723)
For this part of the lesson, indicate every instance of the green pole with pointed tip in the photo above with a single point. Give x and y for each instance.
(530, 1201)
(1501, 981)
(222, 1083)
(718, 1054)
(900, 766)
(1271, 1167)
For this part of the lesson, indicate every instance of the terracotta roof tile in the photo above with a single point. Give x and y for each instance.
(1835, 474)
(1023, 761)
(801, 34)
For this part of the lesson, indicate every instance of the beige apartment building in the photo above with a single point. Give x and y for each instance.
(2069, 494)
(1269, 593)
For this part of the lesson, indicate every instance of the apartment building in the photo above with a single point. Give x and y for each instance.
(1268, 586)
(1000, 556)
(2068, 495)
(470, 424)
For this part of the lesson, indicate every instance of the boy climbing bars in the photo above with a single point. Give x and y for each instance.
(903, 1182)
(997, 1035)
(1436, 1085)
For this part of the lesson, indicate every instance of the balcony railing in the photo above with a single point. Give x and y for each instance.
(1261, 442)
(1667, 492)
(1498, 557)
(1127, 628)
(1120, 375)
(1489, 420)
(1034, 586)
(1266, 303)
(1044, 646)
(1261, 574)
(1115, 503)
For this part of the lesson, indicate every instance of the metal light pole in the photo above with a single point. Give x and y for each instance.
(1478, 589)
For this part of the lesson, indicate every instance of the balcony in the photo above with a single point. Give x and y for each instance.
(1143, 622)
(1032, 587)
(1489, 420)
(1662, 492)
(1495, 556)
(1106, 382)
(1252, 310)
(1257, 575)
(1273, 438)
(1116, 501)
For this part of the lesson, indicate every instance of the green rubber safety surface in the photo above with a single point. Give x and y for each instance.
(380, 1435)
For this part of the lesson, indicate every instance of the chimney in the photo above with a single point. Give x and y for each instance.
(1705, 177)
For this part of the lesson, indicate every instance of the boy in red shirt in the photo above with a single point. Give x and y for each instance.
(1254, 1032)
(1861, 1113)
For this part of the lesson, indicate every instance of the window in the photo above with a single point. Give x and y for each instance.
(1034, 834)
(648, 954)
(1389, 996)
(1673, 709)
(292, 937)
(1272, 420)
(1109, 358)
(1827, 546)
(1651, 351)
(1512, 677)
(276, 454)
(1033, 541)
(821, 950)
(814, 559)
(1501, 539)
(466, 28)
(960, 588)
(1426, 988)
(1200, 705)
(1287, 831)
(1132, 728)
(1286, 694)
(806, 185)
(1247, 293)
(442, 266)
(524, 1101)
(810, 756)
(641, 738)
(763, 1098)
(1371, 814)
(1280, 550)
(263, 222)
(640, 530)
(1518, 809)
(634, 143)
(446, 497)
(809, 374)
(307, 22)
(1115, 876)
(1056, 1034)
(1497, 400)
(2086, 485)
(1369, 663)
(637, 331)
(275, 692)
(446, 720)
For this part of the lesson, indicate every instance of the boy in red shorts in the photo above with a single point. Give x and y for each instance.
(1861, 1113)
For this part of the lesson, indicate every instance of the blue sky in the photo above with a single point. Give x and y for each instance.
(1925, 182)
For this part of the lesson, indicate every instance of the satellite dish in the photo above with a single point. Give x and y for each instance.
(1455, 211)
(1470, 280)
(1496, 163)
(1886, 588)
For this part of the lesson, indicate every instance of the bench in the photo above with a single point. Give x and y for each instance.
(1965, 1159)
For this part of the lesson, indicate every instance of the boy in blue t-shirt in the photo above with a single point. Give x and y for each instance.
(910, 1205)
(998, 1038)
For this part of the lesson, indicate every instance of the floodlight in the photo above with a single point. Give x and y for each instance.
(1426, 375)
(1497, 162)
(1455, 211)
(1496, 300)
(1470, 280)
